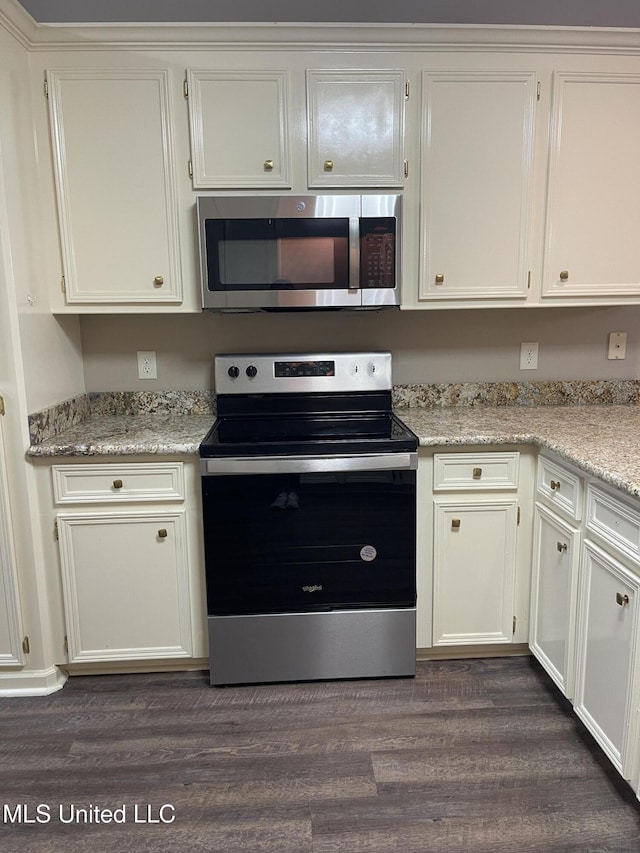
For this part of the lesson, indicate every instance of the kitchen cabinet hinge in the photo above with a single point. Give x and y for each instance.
(518, 519)
(407, 87)
(185, 88)
(63, 285)
(2, 409)
(46, 87)
(55, 530)
(538, 90)
(406, 168)
(514, 624)
(190, 169)
(66, 645)
(26, 648)
(529, 280)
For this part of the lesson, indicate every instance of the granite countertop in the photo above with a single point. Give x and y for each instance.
(603, 440)
(166, 434)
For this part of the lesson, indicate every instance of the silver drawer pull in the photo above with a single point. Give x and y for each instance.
(554, 485)
(621, 599)
(562, 547)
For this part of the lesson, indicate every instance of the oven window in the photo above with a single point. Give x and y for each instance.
(309, 542)
(277, 254)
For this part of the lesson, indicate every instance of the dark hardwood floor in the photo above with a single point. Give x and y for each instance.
(474, 755)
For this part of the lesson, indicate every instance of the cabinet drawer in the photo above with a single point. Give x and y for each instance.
(615, 522)
(482, 471)
(163, 481)
(560, 487)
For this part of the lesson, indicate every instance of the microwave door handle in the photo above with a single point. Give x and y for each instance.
(354, 254)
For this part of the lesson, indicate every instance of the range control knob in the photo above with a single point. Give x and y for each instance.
(233, 372)
(251, 371)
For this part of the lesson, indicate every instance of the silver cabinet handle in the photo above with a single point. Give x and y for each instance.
(621, 599)
(562, 547)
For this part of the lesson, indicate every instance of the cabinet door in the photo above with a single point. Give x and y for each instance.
(356, 127)
(115, 181)
(10, 616)
(126, 585)
(593, 216)
(477, 148)
(474, 571)
(553, 596)
(606, 652)
(239, 133)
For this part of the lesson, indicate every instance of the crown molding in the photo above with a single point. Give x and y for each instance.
(292, 36)
(15, 19)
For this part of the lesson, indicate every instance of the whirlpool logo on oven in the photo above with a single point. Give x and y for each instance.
(313, 588)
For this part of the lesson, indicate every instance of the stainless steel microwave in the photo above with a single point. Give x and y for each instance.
(299, 252)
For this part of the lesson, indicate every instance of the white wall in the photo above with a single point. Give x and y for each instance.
(51, 356)
(428, 346)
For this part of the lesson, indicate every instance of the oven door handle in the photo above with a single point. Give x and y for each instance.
(222, 466)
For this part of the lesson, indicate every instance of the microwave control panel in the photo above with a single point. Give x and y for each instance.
(378, 252)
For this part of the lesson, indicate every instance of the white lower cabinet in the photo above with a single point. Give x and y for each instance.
(475, 508)
(11, 649)
(129, 564)
(126, 588)
(474, 571)
(554, 578)
(606, 654)
(585, 597)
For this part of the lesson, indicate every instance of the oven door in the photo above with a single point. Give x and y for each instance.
(300, 534)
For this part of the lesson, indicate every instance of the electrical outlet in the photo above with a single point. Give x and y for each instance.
(617, 345)
(529, 356)
(147, 368)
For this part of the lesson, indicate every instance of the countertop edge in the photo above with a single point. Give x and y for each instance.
(147, 438)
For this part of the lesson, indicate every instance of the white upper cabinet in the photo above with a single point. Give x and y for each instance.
(356, 127)
(239, 129)
(475, 195)
(593, 216)
(116, 186)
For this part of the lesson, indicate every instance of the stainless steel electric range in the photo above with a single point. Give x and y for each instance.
(309, 510)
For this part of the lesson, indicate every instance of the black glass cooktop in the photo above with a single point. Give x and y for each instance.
(311, 434)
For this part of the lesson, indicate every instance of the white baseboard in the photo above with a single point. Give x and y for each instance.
(39, 682)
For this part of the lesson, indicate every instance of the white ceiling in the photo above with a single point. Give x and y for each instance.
(557, 13)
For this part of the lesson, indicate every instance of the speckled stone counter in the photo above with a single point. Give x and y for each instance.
(603, 440)
(165, 434)
(594, 424)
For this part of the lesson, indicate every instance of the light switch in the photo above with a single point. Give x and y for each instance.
(617, 345)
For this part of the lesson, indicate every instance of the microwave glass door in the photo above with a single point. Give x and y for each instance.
(277, 254)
